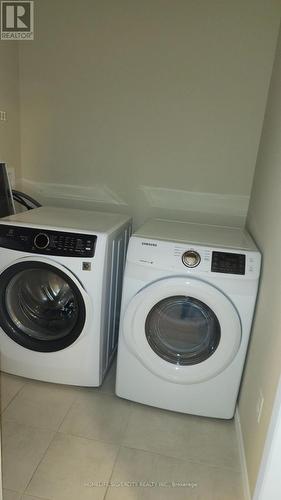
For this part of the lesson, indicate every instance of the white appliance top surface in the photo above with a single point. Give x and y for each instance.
(59, 218)
(201, 234)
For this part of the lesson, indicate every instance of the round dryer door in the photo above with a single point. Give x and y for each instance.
(183, 330)
(41, 306)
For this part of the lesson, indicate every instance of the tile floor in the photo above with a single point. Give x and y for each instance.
(67, 443)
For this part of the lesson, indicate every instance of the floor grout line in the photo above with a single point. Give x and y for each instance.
(39, 463)
(15, 395)
(39, 498)
(113, 467)
(66, 414)
(181, 459)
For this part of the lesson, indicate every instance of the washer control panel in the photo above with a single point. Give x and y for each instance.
(47, 242)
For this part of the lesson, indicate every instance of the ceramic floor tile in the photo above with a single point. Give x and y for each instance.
(157, 447)
(9, 387)
(182, 436)
(69, 468)
(97, 416)
(11, 495)
(41, 405)
(22, 449)
(141, 475)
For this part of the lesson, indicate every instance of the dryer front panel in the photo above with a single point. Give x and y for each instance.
(182, 329)
(41, 306)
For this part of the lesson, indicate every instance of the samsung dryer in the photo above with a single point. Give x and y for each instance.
(188, 301)
(60, 291)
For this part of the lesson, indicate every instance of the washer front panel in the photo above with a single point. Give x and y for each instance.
(183, 330)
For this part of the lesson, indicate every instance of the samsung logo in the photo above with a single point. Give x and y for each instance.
(149, 244)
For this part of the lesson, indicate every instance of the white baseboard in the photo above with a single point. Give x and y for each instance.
(243, 463)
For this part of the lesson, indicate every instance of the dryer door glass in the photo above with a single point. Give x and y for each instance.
(42, 308)
(182, 330)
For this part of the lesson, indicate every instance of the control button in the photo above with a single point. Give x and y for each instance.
(41, 241)
(191, 258)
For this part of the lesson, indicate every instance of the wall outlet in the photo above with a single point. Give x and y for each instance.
(259, 406)
(3, 116)
(12, 176)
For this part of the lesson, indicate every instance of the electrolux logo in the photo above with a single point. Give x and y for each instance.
(17, 20)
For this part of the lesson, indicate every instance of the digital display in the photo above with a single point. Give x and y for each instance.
(230, 263)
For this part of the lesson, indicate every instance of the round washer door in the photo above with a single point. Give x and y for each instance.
(183, 330)
(42, 305)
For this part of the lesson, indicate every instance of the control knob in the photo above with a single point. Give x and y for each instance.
(191, 258)
(41, 241)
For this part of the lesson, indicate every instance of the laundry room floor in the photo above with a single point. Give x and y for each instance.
(68, 443)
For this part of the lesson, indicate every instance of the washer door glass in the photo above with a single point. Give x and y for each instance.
(41, 307)
(182, 330)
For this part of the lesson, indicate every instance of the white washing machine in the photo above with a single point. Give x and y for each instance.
(60, 292)
(189, 294)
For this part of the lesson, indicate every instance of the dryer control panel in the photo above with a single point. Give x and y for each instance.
(195, 260)
(47, 242)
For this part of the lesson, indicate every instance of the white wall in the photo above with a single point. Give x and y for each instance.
(135, 104)
(9, 102)
(263, 366)
(1, 495)
(268, 484)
